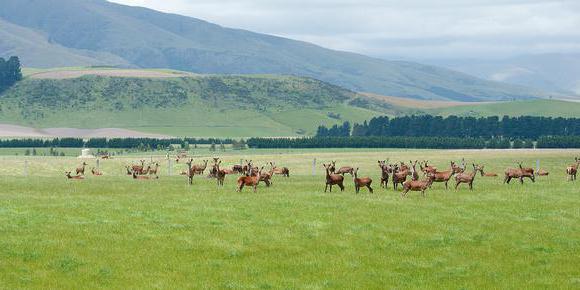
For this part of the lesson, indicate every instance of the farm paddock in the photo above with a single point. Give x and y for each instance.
(112, 231)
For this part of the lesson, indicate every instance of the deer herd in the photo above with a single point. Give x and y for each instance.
(401, 174)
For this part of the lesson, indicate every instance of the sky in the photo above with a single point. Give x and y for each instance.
(402, 29)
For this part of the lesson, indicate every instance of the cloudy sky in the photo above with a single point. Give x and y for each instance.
(410, 29)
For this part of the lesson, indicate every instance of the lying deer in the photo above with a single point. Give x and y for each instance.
(77, 177)
(572, 170)
(385, 171)
(466, 178)
(249, 180)
(81, 170)
(480, 168)
(518, 173)
(542, 172)
(284, 171)
(95, 172)
(443, 176)
(361, 182)
(129, 172)
(332, 178)
(417, 185)
(143, 177)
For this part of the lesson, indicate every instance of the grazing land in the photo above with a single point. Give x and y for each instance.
(113, 231)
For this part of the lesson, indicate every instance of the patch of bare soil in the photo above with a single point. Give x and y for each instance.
(419, 104)
(21, 131)
(128, 73)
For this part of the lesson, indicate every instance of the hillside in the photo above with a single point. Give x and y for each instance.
(96, 32)
(547, 108)
(193, 105)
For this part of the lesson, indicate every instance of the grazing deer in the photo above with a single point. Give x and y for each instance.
(138, 168)
(95, 172)
(399, 176)
(443, 176)
(385, 171)
(484, 174)
(519, 173)
(361, 182)
(417, 185)
(143, 177)
(572, 170)
(250, 180)
(332, 178)
(77, 177)
(81, 170)
(154, 170)
(284, 171)
(466, 178)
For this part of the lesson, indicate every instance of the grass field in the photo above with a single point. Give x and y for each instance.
(114, 232)
(540, 107)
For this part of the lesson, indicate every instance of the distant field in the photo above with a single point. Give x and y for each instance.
(421, 104)
(548, 108)
(114, 232)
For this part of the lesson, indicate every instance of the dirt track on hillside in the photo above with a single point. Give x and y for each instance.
(20, 131)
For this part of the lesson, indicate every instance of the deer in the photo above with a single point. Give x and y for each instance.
(457, 169)
(542, 172)
(239, 169)
(484, 174)
(404, 167)
(426, 168)
(414, 174)
(138, 168)
(146, 170)
(81, 170)
(519, 173)
(143, 177)
(572, 170)
(417, 185)
(361, 182)
(443, 176)
(95, 172)
(266, 177)
(153, 171)
(332, 178)
(284, 171)
(129, 172)
(250, 180)
(343, 170)
(466, 178)
(199, 169)
(385, 171)
(77, 177)
(399, 176)
(220, 174)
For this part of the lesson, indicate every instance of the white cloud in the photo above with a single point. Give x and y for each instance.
(410, 29)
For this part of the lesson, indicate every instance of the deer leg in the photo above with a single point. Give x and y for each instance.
(325, 187)
(456, 185)
(341, 186)
(471, 185)
(370, 188)
(331, 187)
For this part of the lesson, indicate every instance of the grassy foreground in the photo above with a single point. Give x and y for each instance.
(114, 232)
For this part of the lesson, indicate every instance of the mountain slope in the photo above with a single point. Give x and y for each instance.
(150, 39)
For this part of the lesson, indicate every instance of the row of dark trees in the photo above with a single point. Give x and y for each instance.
(435, 126)
(10, 72)
(396, 142)
(125, 143)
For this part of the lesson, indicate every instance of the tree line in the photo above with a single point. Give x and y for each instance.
(10, 72)
(116, 143)
(524, 127)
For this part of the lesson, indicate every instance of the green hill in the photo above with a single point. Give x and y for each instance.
(236, 106)
(547, 108)
(96, 32)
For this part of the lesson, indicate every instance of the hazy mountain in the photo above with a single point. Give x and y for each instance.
(79, 31)
(550, 72)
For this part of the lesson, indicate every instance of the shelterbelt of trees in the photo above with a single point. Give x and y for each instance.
(10, 72)
(525, 127)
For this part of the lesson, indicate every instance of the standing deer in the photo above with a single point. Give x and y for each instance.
(199, 169)
(77, 177)
(220, 174)
(484, 174)
(519, 173)
(81, 170)
(444, 176)
(154, 170)
(414, 174)
(250, 180)
(457, 169)
(399, 176)
(426, 168)
(572, 170)
(417, 185)
(385, 171)
(345, 169)
(466, 178)
(361, 182)
(284, 171)
(266, 177)
(332, 178)
(138, 168)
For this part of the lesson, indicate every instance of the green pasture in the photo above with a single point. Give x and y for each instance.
(116, 232)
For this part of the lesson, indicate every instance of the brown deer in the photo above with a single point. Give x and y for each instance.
(250, 180)
(146, 170)
(138, 168)
(572, 170)
(220, 174)
(143, 177)
(443, 176)
(417, 185)
(332, 178)
(426, 168)
(466, 178)
(457, 169)
(266, 177)
(239, 169)
(414, 174)
(399, 176)
(404, 167)
(518, 173)
(344, 170)
(77, 177)
(199, 169)
(95, 172)
(385, 171)
(480, 168)
(154, 170)
(81, 170)
(361, 182)
(284, 171)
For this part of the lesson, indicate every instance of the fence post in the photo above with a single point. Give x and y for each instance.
(314, 167)
(98, 163)
(537, 165)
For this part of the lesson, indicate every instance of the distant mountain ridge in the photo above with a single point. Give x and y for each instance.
(96, 32)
